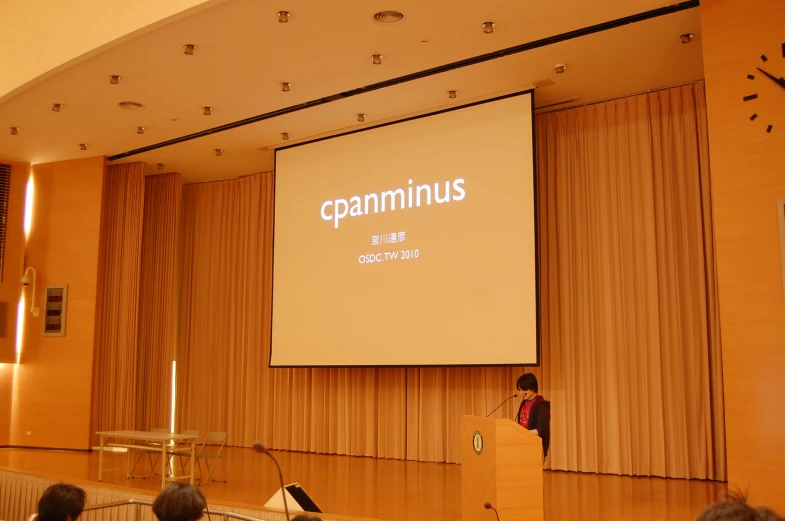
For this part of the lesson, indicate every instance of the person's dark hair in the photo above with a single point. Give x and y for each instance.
(527, 382)
(305, 517)
(60, 501)
(179, 502)
(735, 508)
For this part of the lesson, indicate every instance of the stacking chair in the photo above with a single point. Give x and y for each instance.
(183, 450)
(153, 450)
(212, 452)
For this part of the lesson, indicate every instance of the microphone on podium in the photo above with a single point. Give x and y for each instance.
(488, 506)
(497, 408)
(259, 447)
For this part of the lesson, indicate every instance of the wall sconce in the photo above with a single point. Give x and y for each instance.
(26, 280)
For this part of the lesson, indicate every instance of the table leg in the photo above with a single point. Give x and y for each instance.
(193, 456)
(101, 459)
(163, 465)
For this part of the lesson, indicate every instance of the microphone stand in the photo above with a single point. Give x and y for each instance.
(283, 489)
(505, 401)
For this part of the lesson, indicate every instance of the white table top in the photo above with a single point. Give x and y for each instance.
(148, 436)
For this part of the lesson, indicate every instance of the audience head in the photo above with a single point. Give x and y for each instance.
(305, 517)
(527, 383)
(61, 502)
(179, 502)
(735, 508)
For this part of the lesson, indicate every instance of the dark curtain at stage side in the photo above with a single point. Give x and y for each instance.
(631, 350)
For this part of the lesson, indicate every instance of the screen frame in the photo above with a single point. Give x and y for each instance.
(535, 206)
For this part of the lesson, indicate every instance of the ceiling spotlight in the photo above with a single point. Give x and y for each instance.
(283, 16)
(140, 130)
(208, 111)
(686, 38)
(14, 131)
(388, 17)
(285, 86)
(559, 68)
(452, 94)
(219, 152)
(487, 27)
(82, 146)
(160, 166)
(56, 107)
(189, 48)
(377, 59)
(361, 118)
(285, 136)
(114, 79)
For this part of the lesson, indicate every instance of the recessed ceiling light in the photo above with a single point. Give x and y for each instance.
(686, 38)
(160, 166)
(452, 94)
(130, 105)
(219, 152)
(377, 59)
(487, 27)
(114, 79)
(140, 130)
(388, 17)
(82, 146)
(424, 42)
(361, 118)
(559, 68)
(15, 131)
(285, 86)
(285, 136)
(189, 49)
(283, 16)
(207, 111)
(56, 107)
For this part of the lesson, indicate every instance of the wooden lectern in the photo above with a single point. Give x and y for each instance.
(501, 463)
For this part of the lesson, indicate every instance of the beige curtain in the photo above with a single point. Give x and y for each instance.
(157, 301)
(117, 307)
(630, 341)
(628, 287)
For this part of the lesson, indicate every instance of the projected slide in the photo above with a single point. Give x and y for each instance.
(410, 244)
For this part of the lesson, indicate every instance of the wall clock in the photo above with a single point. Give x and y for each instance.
(769, 71)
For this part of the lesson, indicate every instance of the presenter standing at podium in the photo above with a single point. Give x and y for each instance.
(535, 411)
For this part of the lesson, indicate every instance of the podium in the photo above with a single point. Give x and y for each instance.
(501, 463)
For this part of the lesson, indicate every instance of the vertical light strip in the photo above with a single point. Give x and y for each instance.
(20, 326)
(28, 223)
(28, 226)
(174, 395)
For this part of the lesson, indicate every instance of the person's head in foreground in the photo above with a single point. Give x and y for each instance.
(735, 508)
(179, 502)
(527, 385)
(306, 517)
(61, 502)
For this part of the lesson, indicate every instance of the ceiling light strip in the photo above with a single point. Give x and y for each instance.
(570, 35)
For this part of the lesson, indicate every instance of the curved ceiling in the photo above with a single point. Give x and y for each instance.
(243, 54)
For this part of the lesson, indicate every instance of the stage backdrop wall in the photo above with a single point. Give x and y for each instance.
(631, 350)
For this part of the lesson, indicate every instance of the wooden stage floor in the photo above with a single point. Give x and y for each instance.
(395, 490)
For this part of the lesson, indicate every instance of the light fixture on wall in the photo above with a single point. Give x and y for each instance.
(283, 16)
(219, 151)
(207, 111)
(559, 68)
(26, 281)
(114, 79)
(140, 130)
(361, 118)
(160, 166)
(286, 86)
(285, 136)
(188, 49)
(82, 146)
(56, 107)
(14, 131)
(452, 94)
(686, 38)
(377, 59)
(487, 27)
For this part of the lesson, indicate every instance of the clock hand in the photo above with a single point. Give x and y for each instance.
(778, 81)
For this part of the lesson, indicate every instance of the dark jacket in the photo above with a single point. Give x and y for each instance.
(540, 419)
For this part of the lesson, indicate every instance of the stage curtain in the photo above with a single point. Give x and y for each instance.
(628, 287)
(157, 299)
(117, 307)
(630, 339)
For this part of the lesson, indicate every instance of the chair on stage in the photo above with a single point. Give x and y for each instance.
(212, 452)
(153, 450)
(182, 451)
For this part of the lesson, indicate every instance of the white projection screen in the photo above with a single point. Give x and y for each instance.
(409, 244)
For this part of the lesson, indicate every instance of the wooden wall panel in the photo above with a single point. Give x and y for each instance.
(748, 177)
(52, 390)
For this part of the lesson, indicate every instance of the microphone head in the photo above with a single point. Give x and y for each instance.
(488, 506)
(259, 447)
(515, 395)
